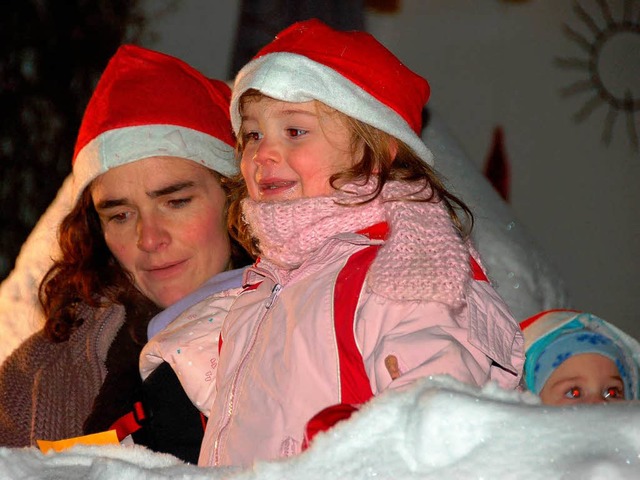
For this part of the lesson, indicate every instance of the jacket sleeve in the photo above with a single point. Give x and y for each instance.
(404, 341)
(17, 375)
(190, 345)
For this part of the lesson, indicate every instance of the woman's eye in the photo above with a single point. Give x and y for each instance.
(573, 392)
(612, 393)
(179, 202)
(119, 217)
(296, 132)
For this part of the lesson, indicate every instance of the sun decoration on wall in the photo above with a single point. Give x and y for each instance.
(612, 63)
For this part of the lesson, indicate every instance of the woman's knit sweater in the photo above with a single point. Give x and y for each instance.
(47, 390)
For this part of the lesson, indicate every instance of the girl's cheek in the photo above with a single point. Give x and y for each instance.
(245, 167)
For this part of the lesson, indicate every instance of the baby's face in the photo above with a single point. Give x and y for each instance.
(584, 378)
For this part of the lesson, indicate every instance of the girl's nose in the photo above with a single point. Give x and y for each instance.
(152, 234)
(266, 152)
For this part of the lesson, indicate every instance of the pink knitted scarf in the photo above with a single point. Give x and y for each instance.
(424, 257)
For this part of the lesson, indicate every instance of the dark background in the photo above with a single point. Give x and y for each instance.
(53, 53)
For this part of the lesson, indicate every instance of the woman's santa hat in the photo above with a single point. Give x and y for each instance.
(149, 104)
(349, 71)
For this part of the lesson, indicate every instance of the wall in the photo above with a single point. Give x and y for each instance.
(492, 63)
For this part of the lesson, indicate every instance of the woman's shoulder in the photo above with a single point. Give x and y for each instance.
(38, 350)
(31, 355)
(94, 317)
(99, 328)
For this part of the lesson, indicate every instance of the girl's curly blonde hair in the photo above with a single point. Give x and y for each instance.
(376, 149)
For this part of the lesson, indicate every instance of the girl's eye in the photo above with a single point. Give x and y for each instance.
(252, 136)
(612, 393)
(573, 392)
(296, 132)
(180, 202)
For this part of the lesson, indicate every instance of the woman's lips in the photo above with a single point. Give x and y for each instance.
(166, 270)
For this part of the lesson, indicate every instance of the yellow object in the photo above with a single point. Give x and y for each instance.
(103, 438)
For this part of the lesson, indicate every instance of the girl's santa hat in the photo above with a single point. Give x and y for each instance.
(553, 336)
(349, 71)
(149, 104)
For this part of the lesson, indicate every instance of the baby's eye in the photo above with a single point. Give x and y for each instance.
(296, 132)
(573, 392)
(613, 393)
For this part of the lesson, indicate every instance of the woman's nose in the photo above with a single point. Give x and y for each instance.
(152, 234)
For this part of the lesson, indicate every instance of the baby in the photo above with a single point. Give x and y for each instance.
(574, 357)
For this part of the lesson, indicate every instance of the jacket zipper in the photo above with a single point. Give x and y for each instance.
(275, 291)
(272, 298)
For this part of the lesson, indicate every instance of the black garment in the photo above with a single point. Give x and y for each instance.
(174, 424)
(122, 384)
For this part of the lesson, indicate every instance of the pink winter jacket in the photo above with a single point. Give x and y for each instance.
(289, 350)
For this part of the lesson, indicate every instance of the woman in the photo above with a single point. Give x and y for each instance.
(148, 228)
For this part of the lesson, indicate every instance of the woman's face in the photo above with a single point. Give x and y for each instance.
(164, 220)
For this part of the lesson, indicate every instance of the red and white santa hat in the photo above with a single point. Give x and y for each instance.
(150, 104)
(349, 71)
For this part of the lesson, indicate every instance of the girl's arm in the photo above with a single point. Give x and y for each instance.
(404, 341)
(190, 345)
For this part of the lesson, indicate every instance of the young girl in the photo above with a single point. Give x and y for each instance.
(575, 357)
(366, 280)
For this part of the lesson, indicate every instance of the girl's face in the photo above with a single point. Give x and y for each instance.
(290, 150)
(164, 219)
(584, 378)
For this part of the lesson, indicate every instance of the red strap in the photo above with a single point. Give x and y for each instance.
(129, 423)
(476, 271)
(251, 287)
(378, 231)
(203, 420)
(355, 385)
(354, 381)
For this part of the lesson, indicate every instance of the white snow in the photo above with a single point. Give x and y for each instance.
(438, 429)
